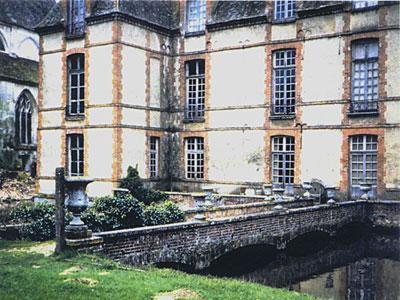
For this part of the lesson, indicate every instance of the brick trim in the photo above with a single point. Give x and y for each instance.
(117, 96)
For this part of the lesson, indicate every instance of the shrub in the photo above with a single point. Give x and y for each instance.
(38, 220)
(92, 219)
(134, 184)
(118, 212)
(165, 213)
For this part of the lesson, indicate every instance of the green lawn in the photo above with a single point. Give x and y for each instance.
(30, 275)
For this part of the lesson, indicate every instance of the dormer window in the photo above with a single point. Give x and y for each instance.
(76, 18)
(196, 15)
(284, 10)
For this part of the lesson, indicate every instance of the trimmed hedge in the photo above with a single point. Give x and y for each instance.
(134, 184)
(38, 220)
(107, 213)
(165, 213)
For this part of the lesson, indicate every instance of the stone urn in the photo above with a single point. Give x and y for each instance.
(365, 188)
(278, 194)
(307, 187)
(76, 202)
(330, 194)
(278, 198)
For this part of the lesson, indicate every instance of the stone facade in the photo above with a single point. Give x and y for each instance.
(135, 88)
(19, 56)
(199, 243)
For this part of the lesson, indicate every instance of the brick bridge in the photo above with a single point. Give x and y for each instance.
(199, 243)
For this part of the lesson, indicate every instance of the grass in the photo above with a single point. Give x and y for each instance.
(30, 275)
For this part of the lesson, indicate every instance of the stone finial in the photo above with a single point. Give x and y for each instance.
(365, 188)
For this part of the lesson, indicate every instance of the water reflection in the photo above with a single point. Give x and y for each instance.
(357, 264)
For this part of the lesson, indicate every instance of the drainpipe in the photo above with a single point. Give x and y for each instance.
(301, 132)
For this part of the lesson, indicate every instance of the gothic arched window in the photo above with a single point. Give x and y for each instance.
(2, 43)
(23, 120)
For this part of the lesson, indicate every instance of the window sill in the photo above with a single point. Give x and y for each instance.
(364, 9)
(195, 33)
(25, 147)
(74, 36)
(75, 117)
(283, 21)
(197, 120)
(282, 117)
(363, 114)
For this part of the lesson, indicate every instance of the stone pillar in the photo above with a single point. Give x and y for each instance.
(60, 212)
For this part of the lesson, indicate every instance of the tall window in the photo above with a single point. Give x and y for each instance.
(76, 17)
(195, 89)
(283, 160)
(195, 158)
(363, 155)
(284, 9)
(284, 82)
(75, 155)
(365, 77)
(23, 120)
(363, 4)
(196, 15)
(2, 46)
(76, 84)
(154, 156)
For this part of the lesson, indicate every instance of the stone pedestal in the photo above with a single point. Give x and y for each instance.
(77, 231)
(89, 244)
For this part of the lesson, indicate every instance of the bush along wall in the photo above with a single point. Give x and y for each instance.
(107, 213)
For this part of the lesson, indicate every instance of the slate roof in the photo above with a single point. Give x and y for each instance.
(222, 11)
(24, 13)
(18, 70)
(164, 14)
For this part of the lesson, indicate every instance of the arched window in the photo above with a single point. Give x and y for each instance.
(23, 120)
(2, 43)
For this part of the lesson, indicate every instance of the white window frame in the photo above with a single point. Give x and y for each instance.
(365, 76)
(283, 153)
(80, 152)
(363, 159)
(195, 90)
(284, 10)
(79, 74)
(284, 82)
(154, 156)
(194, 157)
(195, 15)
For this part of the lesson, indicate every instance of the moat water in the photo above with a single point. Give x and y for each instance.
(356, 264)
